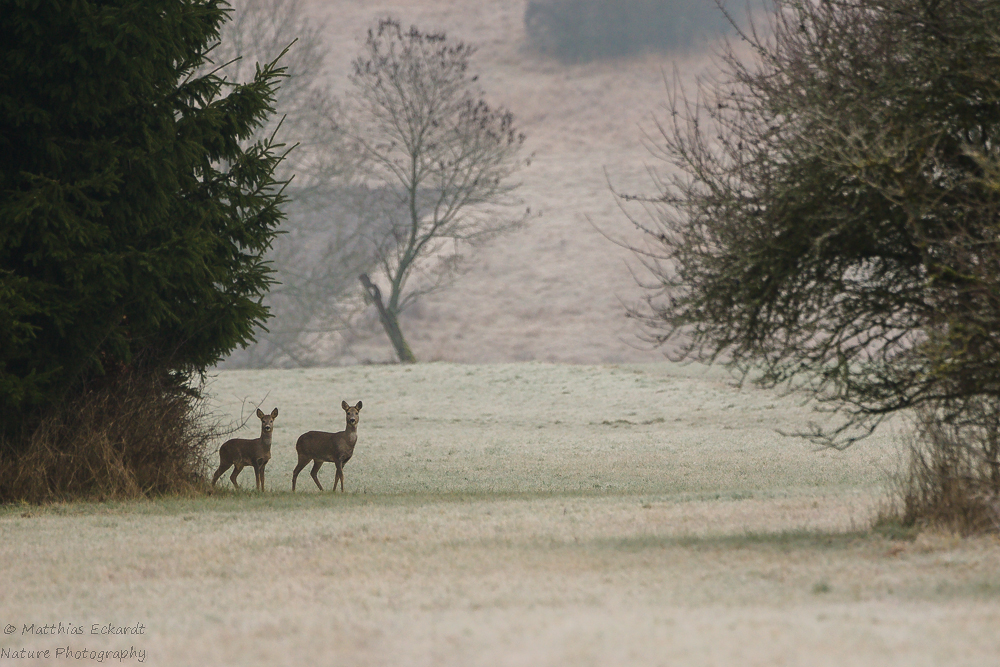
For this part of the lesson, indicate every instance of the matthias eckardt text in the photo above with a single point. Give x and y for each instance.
(74, 629)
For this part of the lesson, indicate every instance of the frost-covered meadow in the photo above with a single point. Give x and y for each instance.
(535, 428)
(516, 514)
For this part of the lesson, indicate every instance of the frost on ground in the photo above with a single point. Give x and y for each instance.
(525, 514)
(551, 429)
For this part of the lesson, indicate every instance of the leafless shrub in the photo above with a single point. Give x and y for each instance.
(953, 477)
(827, 222)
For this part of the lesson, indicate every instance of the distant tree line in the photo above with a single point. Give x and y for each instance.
(582, 30)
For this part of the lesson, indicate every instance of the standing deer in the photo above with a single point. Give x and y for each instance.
(320, 447)
(241, 452)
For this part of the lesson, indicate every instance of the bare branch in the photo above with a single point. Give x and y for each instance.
(829, 216)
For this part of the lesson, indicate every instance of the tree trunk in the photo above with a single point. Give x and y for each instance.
(389, 321)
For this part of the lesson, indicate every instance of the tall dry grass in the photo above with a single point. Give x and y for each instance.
(953, 477)
(135, 436)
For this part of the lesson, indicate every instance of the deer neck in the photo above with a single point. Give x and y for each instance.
(351, 433)
(265, 439)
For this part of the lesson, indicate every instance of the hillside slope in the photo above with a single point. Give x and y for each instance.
(556, 290)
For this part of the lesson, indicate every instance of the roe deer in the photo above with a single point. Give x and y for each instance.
(320, 447)
(241, 452)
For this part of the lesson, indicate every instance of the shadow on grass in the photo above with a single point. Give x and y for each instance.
(784, 541)
(230, 500)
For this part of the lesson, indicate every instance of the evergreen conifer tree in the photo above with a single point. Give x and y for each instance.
(134, 212)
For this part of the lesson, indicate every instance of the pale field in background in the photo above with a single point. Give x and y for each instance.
(517, 514)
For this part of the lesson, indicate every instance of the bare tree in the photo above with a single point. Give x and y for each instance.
(831, 221)
(438, 159)
(319, 255)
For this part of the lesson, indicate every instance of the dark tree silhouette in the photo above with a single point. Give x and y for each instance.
(134, 212)
(831, 220)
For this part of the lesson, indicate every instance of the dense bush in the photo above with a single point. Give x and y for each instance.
(131, 437)
(580, 30)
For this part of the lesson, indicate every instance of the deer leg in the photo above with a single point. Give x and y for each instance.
(340, 476)
(295, 473)
(262, 466)
(223, 467)
(258, 476)
(314, 471)
(236, 473)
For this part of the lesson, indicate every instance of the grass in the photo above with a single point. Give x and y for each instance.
(469, 536)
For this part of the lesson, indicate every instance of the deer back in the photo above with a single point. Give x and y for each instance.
(245, 451)
(327, 446)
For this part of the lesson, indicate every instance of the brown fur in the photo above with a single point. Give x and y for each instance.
(241, 452)
(320, 447)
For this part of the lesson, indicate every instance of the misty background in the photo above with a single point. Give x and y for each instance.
(585, 79)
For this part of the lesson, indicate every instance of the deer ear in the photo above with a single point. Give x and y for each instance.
(274, 413)
(260, 414)
(343, 404)
(358, 406)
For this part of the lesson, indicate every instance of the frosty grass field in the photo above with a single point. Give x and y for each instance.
(515, 514)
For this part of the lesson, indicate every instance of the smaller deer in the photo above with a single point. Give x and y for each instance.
(320, 447)
(241, 452)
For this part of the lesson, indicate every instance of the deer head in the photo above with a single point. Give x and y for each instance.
(352, 412)
(267, 421)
